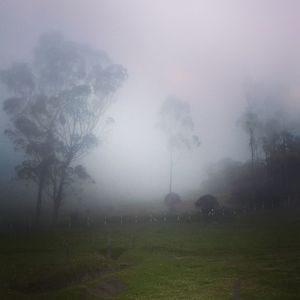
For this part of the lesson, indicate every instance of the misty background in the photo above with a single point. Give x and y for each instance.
(204, 52)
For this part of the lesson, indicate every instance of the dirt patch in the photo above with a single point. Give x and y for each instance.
(57, 277)
(172, 251)
(113, 253)
(107, 288)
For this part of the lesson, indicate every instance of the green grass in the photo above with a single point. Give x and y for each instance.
(158, 261)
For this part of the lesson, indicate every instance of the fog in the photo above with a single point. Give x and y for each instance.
(204, 52)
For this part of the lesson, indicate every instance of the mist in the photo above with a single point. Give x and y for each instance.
(150, 149)
(204, 52)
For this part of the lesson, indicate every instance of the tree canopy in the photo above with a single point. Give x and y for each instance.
(55, 104)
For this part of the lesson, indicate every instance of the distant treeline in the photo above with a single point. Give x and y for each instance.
(271, 177)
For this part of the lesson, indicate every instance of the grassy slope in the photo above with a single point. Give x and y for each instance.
(165, 261)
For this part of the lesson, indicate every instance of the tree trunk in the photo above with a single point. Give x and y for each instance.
(39, 199)
(171, 171)
(253, 177)
(55, 213)
(57, 201)
(59, 196)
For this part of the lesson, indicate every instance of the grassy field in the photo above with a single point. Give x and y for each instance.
(201, 260)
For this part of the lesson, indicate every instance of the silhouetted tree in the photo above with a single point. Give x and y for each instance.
(31, 128)
(177, 124)
(172, 201)
(282, 159)
(207, 203)
(55, 104)
(271, 177)
(251, 125)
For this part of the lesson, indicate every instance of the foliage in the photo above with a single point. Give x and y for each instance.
(207, 203)
(271, 177)
(172, 201)
(176, 123)
(55, 104)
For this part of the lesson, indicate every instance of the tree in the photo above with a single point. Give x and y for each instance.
(30, 132)
(56, 103)
(281, 147)
(251, 124)
(172, 201)
(177, 124)
(207, 203)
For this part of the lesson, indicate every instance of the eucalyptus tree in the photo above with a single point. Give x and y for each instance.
(176, 123)
(56, 104)
(250, 124)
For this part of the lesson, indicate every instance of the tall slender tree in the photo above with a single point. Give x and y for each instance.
(177, 124)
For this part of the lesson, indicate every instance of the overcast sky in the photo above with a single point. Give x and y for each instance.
(200, 50)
